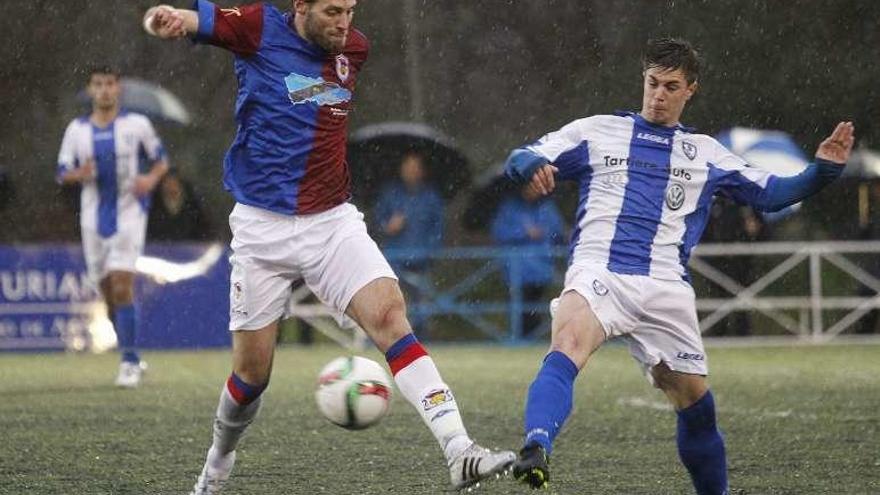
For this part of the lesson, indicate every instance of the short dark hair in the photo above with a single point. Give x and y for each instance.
(103, 70)
(672, 54)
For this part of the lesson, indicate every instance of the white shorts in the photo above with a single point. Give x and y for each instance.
(118, 252)
(330, 251)
(657, 318)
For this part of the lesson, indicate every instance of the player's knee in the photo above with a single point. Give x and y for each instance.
(682, 389)
(386, 315)
(121, 295)
(119, 289)
(389, 315)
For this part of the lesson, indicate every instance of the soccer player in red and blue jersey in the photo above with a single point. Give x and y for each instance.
(292, 220)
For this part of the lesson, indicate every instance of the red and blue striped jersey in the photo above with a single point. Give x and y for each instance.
(288, 155)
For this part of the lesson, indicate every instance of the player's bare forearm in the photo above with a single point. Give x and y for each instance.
(167, 22)
(145, 184)
(71, 178)
(79, 175)
(158, 170)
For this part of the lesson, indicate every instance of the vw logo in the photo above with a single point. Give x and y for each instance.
(675, 196)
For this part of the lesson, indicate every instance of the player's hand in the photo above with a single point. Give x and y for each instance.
(534, 233)
(836, 147)
(395, 224)
(543, 181)
(165, 22)
(87, 171)
(144, 185)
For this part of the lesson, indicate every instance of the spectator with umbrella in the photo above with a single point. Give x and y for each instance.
(409, 214)
(526, 220)
(177, 213)
(375, 151)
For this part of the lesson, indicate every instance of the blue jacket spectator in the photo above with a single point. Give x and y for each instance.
(410, 214)
(528, 221)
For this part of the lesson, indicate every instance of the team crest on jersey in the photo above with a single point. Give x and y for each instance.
(690, 149)
(343, 69)
(599, 288)
(304, 89)
(675, 196)
(237, 303)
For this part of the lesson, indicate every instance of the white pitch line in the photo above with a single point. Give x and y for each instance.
(642, 403)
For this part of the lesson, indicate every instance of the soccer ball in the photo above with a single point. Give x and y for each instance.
(353, 392)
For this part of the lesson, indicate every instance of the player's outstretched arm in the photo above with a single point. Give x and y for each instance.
(144, 184)
(831, 158)
(167, 22)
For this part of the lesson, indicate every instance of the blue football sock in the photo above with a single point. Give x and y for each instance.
(701, 447)
(125, 323)
(549, 402)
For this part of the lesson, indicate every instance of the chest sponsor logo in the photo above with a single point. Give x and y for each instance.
(613, 179)
(343, 68)
(689, 149)
(614, 161)
(303, 89)
(653, 138)
(675, 196)
(681, 173)
(103, 135)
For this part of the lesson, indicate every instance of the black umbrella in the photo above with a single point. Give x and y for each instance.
(490, 189)
(149, 99)
(493, 187)
(375, 151)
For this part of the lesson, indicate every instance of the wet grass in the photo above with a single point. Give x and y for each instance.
(797, 420)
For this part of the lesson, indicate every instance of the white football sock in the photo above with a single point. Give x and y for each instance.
(421, 385)
(231, 421)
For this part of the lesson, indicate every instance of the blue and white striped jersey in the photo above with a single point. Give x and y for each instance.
(118, 152)
(646, 189)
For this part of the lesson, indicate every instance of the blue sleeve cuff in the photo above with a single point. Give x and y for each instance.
(59, 173)
(829, 170)
(161, 154)
(522, 164)
(205, 10)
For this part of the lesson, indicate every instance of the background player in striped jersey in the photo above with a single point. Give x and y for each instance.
(286, 169)
(646, 186)
(103, 152)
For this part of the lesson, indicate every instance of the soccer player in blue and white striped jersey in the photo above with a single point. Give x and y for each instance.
(103, 152)
(646, 187)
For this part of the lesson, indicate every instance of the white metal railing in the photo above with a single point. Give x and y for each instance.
(812, 305)
(809, 323)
